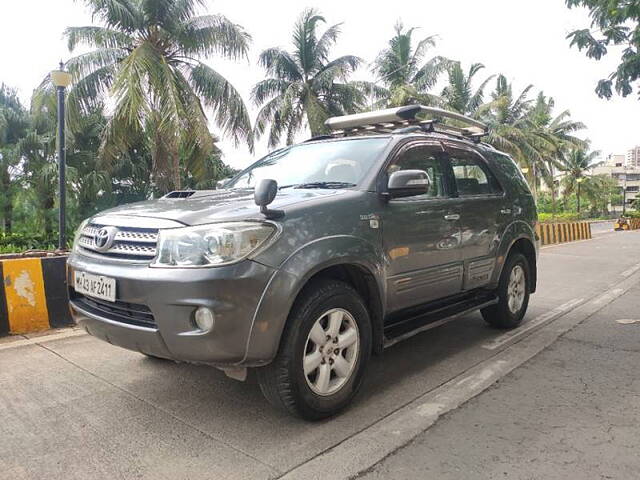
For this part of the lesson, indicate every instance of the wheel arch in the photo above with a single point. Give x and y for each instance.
(346, 258)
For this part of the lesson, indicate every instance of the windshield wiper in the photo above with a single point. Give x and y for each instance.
(325, 185)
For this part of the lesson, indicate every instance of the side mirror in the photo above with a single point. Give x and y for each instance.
(264, 193)
(407, 183)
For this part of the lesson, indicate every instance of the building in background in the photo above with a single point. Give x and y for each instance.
(616, 160)
(632, 158)
(628, 177)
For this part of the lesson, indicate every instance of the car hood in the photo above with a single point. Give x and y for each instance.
(215, 205)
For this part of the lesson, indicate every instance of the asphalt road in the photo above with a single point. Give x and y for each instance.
(79, 408)
(571, 412)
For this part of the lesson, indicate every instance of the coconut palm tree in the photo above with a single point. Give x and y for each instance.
(147, 56)
(305, 87)
(576, 164)
(552, 137)
(459, 95)
(509, 126)
(402, 70)
(14, 122)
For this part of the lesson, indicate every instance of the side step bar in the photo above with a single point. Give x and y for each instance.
(426, 321)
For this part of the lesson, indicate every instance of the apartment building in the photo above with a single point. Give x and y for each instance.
(632, 158)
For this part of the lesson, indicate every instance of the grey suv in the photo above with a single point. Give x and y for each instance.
(316, 256)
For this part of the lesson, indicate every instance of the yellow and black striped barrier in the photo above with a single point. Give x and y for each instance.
(550, 233)
(33, 294)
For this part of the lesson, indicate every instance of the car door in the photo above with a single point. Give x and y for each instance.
(481, 203)
(421, 233)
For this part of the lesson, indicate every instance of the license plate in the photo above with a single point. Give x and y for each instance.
(95, 285)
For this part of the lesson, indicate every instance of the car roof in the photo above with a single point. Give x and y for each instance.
(397, 137)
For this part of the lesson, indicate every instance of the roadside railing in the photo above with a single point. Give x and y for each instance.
(552, 233)
(33, 293)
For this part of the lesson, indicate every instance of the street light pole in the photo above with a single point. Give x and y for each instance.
(61, 80)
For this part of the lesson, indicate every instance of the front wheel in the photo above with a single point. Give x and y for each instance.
(513, 294)
(324, 350)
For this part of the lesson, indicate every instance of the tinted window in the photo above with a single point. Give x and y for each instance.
(423, 158)
(472, 177)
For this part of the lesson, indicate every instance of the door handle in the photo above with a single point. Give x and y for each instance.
(505, 211)
(452, 216)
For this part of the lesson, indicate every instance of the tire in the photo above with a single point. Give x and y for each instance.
(311, 396)
(503, 314)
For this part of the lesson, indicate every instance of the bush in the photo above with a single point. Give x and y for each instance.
(559, 217)
(19, 242)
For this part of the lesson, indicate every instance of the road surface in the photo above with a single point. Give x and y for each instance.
(76, 407)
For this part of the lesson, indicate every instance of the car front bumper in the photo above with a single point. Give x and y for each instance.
(170, 297)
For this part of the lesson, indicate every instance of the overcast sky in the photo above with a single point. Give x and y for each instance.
(524, 39)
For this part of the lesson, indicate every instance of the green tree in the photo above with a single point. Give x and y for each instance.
(402, 70)
(576, 164)
(613, 23)
(147, 57)
(459, 95)
(509, 126)
(91, 182)
(39, 167)
(601, 191)
(14, 122)
(304, 84)
(552, 136)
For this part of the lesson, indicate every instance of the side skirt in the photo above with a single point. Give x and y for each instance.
(412, 325)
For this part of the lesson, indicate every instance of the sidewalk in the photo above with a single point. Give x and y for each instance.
(572, 412)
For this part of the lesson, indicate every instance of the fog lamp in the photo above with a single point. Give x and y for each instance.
(205, 319)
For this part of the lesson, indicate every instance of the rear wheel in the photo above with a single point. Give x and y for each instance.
(513, 294)
(323, 353)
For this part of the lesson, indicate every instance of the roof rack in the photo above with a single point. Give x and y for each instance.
(392, 119)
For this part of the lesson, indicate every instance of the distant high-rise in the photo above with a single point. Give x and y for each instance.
(632, 158)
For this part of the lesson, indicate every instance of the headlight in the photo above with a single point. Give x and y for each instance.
(210, 245)
(76, 237)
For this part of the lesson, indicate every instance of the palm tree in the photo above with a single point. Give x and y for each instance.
(304, 85)
(553, 136)
(14, 122)
(147, 57)
(40, 170)
(576, 164)
(509, 126)
(91, 183)
(459, 95)
(401, 68)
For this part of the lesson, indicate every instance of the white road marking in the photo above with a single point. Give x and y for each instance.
(628, 321)
(607, 297)
(42, 339)
(631, 271)
(534, 323)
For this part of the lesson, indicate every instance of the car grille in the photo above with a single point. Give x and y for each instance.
(136, 244)
(123, 312)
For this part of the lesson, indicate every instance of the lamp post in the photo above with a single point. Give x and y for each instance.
(61, 80)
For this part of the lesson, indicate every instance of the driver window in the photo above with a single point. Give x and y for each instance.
(422, 158)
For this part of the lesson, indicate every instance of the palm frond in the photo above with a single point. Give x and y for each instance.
(230, 112)
(213, 34)
(95, 36)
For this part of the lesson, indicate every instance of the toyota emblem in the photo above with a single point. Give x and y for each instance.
(104, 237)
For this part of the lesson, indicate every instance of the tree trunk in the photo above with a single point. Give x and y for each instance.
(48, 205)
(8, 215)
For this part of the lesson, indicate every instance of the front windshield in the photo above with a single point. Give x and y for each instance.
(341, 163)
